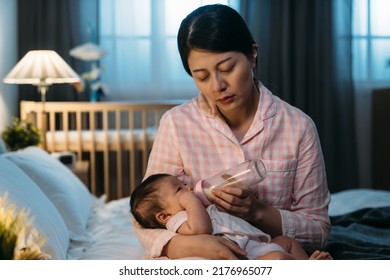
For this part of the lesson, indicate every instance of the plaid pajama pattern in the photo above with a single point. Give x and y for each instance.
(194, 143)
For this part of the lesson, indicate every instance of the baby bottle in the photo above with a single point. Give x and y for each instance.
(243, 175)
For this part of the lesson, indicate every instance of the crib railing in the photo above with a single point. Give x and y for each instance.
(115, 137)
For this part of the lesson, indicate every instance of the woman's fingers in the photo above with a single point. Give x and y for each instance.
(237, 203)
(234, 251)
(204, 246)
(233, 197)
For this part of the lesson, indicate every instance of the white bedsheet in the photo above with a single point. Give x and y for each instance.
(112, 234)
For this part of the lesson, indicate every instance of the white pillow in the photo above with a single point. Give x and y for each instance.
(3, 148)
(64, 189)
(24, 193)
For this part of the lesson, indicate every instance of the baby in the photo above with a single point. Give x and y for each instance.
(163, 201)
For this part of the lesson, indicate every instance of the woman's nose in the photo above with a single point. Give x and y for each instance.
(218, 83)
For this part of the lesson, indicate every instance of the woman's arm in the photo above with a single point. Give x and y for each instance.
(244, 204)
(305, 218)
(203, 246)
(161, 243)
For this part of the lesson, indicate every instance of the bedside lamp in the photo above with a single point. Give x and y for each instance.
(42, 68)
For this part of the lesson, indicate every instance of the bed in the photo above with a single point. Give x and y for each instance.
(360, 225)
(114, 137)
(80, 225)
(75, 223)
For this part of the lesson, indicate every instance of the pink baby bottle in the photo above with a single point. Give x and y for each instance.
(244, 175)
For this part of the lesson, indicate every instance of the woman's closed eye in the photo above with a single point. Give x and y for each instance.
(227, 69)
(202, 78)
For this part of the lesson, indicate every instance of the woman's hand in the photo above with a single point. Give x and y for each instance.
(239, 202)
(203, 246)
(245, 204)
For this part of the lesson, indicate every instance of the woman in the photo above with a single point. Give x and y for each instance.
(233, 119)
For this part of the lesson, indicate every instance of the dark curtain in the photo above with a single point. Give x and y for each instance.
(306, 59)
(57, 25)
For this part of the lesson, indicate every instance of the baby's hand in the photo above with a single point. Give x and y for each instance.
(187, 198)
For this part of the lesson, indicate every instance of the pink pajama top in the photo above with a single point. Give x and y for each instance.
(194, 143)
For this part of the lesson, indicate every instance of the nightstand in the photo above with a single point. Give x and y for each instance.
(380, 147)
(81, 170)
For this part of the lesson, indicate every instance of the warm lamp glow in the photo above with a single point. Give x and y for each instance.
(43, 67)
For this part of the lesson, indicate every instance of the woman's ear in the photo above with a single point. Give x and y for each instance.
(162, 217)
(254, 55)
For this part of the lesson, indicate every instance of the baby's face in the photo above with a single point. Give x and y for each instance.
(173, 192)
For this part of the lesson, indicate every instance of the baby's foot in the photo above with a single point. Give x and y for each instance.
(320, 255)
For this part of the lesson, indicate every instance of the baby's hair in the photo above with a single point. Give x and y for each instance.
(145, 201)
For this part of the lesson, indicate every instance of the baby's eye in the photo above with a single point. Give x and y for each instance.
(181, 187)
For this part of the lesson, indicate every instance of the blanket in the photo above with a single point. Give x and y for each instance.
(363, 234)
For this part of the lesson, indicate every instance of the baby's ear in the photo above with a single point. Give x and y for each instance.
(162, 217)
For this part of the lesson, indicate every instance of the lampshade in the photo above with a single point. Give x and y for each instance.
(41, 68)
(88, 52)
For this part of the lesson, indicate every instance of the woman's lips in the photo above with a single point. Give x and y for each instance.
(226, 100)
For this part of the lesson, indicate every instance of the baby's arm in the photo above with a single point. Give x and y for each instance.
(198, 221)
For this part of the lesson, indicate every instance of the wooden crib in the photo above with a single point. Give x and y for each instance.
(115, 137)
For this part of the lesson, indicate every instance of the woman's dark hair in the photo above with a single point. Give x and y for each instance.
(145, 201)
(215, 28)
